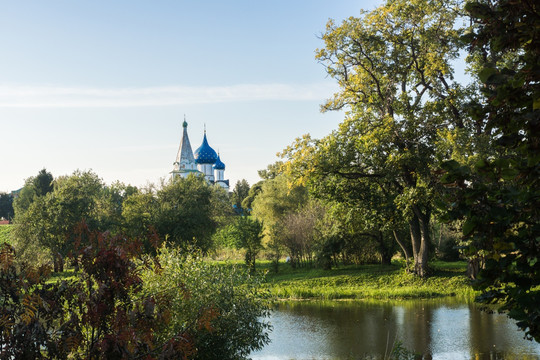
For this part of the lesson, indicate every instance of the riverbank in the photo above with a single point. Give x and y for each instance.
(368, 282)
(358, 282)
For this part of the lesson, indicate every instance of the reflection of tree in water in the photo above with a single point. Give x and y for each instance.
(365, 328)
(493, 336)
(345, 330)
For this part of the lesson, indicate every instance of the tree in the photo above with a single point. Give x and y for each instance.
(139, 213)
(255, 190)
(239, 193)
(276, 200)
(110, 205)
(43, 182)
(37, 186)
(498, 197)
(50, 219)
(6, 206)
(184, 213)
(272, 171)
(394, 68)
(246, 233)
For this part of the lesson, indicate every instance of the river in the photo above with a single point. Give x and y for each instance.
(436, 329)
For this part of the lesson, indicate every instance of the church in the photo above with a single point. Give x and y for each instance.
(203, 161)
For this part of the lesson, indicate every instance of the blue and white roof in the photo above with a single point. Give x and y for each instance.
(205, 154)
(219, 165)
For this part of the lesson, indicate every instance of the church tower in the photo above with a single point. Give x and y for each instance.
(185, 162)
(219, 174)
(206, 157)
(204, 161)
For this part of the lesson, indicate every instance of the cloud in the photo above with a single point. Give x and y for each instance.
(21, 96)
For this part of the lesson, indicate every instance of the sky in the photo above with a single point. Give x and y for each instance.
(105, 85)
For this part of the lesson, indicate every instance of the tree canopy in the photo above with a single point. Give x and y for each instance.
(394, 69)
(498, 196)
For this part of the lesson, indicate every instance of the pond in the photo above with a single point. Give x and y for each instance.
(437, 329)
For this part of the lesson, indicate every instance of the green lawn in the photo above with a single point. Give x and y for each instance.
(368, 282)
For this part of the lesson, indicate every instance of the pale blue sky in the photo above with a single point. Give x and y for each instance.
(104, 85)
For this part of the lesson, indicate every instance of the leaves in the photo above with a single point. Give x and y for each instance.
(498, 196)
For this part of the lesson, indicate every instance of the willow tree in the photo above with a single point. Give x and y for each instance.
(394, 69)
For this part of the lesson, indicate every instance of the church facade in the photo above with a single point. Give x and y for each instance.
(204, 161)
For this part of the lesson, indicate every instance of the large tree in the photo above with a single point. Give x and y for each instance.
(51, 219)
(394, 69)
(498, 197)
(186, 212)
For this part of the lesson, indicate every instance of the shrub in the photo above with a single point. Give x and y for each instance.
(186, 309)
(222, 307)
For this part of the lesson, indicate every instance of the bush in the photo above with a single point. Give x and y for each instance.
(221, 306)
(186, 309)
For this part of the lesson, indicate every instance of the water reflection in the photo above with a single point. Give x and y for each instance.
(437, 329)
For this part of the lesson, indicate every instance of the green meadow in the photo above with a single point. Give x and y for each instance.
(356, 282)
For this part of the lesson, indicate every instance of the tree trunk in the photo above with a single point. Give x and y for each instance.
(402, 246)
(420, 237)
(414, 227)
(386, 252)
(473, 267)
(58, 262)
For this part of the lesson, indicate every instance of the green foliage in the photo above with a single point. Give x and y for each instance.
(110, 205)
(245, 233)
(37, 186)
(49, 218)
(276, 200)
(399, 352)
(232, 305)
(298, 232)
(394, 69)
(6, 233)
(30, 308)
(92, 317)
(117, 307)
(497, 196)
(6, 206)
(239, 193)
(272, 171)
(255, 190)
(184, 212)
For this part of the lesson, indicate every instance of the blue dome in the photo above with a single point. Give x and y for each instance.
(205, 154)
(219, 165)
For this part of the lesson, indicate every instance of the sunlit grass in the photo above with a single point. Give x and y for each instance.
(5, 233)
(368, 282)
(388, 282)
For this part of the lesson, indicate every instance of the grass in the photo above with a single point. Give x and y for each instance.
(368, 282)
(5, 233)
(68, 274)
(356, 282)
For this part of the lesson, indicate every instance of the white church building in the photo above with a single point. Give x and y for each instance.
(203, 161)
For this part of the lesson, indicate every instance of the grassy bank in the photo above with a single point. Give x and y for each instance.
(368, 282)
(357, 282)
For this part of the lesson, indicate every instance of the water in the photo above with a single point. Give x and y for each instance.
(437, 329)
